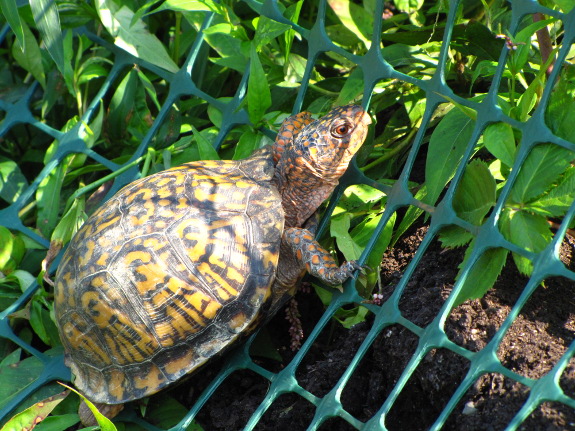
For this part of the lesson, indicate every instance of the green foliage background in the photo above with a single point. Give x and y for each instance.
(471, 128)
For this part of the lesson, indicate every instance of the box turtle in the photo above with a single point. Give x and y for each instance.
(178, 265)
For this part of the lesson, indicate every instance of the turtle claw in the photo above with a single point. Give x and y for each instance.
(344, 272)
(353, 265)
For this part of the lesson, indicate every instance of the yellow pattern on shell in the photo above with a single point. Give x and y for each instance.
(169, 272)
(154, 268)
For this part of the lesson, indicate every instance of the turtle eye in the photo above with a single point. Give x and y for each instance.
(340, 130)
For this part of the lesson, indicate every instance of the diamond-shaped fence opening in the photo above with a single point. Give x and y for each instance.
(429, 75)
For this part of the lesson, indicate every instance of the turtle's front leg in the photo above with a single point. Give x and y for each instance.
(301, 253)
(315, 259)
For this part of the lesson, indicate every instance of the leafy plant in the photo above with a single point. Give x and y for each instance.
(87, 89)
(103, 72)
(541, 192)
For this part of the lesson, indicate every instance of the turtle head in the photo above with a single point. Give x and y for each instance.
(309, 169)
(328, 144)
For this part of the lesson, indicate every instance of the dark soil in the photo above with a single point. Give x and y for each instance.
(536, 340)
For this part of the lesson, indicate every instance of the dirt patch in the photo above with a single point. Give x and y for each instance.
(534, 343)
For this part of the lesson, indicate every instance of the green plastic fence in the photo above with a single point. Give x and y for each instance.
(433, 336)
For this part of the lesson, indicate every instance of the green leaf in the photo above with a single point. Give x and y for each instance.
(43, 325)
(170, 129)
(189, 6)
(565, 5)
(498, 170)
(11, 358)
(558, 199)
(90, 135)
(11, 252)
(9, 9)
(408, 57)
(560, 113)
(527, 230)
(58, 422)
(499, 140)
(409, 6)
(291, 13)
(48, 199)
(355, 18)
(474, 197)
(341, 35)
(411, 215)
(475, 194)
(248, 143)
(28, 56)
(70, 222)
(447, 145)
(91, 70)
(186, 152)
(122, 106)
(349, 318)
(475, 39)
(529, 98)
(17, 376)
(361, 199)
(454, 236)
(541, 169)
(104, 423)
(339, 229)
(205, 147)
(35, 414)
(267, 30)
(352, 88)
(363, 232)
(215, 115)
(150, 89)
(361, 235)
(358, 198)
(518, 58)
(230, 43)
(484, 69)
(135, 39)
(259, 95)
(25, 279)
(470, 112)
(482, 276)
(294, 69)
(323, 294)
(8, 294)
(47, 20)
(167, 412)
(70, 51)
(12, 181)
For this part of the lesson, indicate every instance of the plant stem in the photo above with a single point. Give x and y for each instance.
(545, 45)
(392, 152)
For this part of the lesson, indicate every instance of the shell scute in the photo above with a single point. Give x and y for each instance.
(169, 272)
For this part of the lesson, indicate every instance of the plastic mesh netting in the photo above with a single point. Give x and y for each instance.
(374, 68)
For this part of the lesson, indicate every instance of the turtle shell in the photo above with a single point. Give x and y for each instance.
(167, 274)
